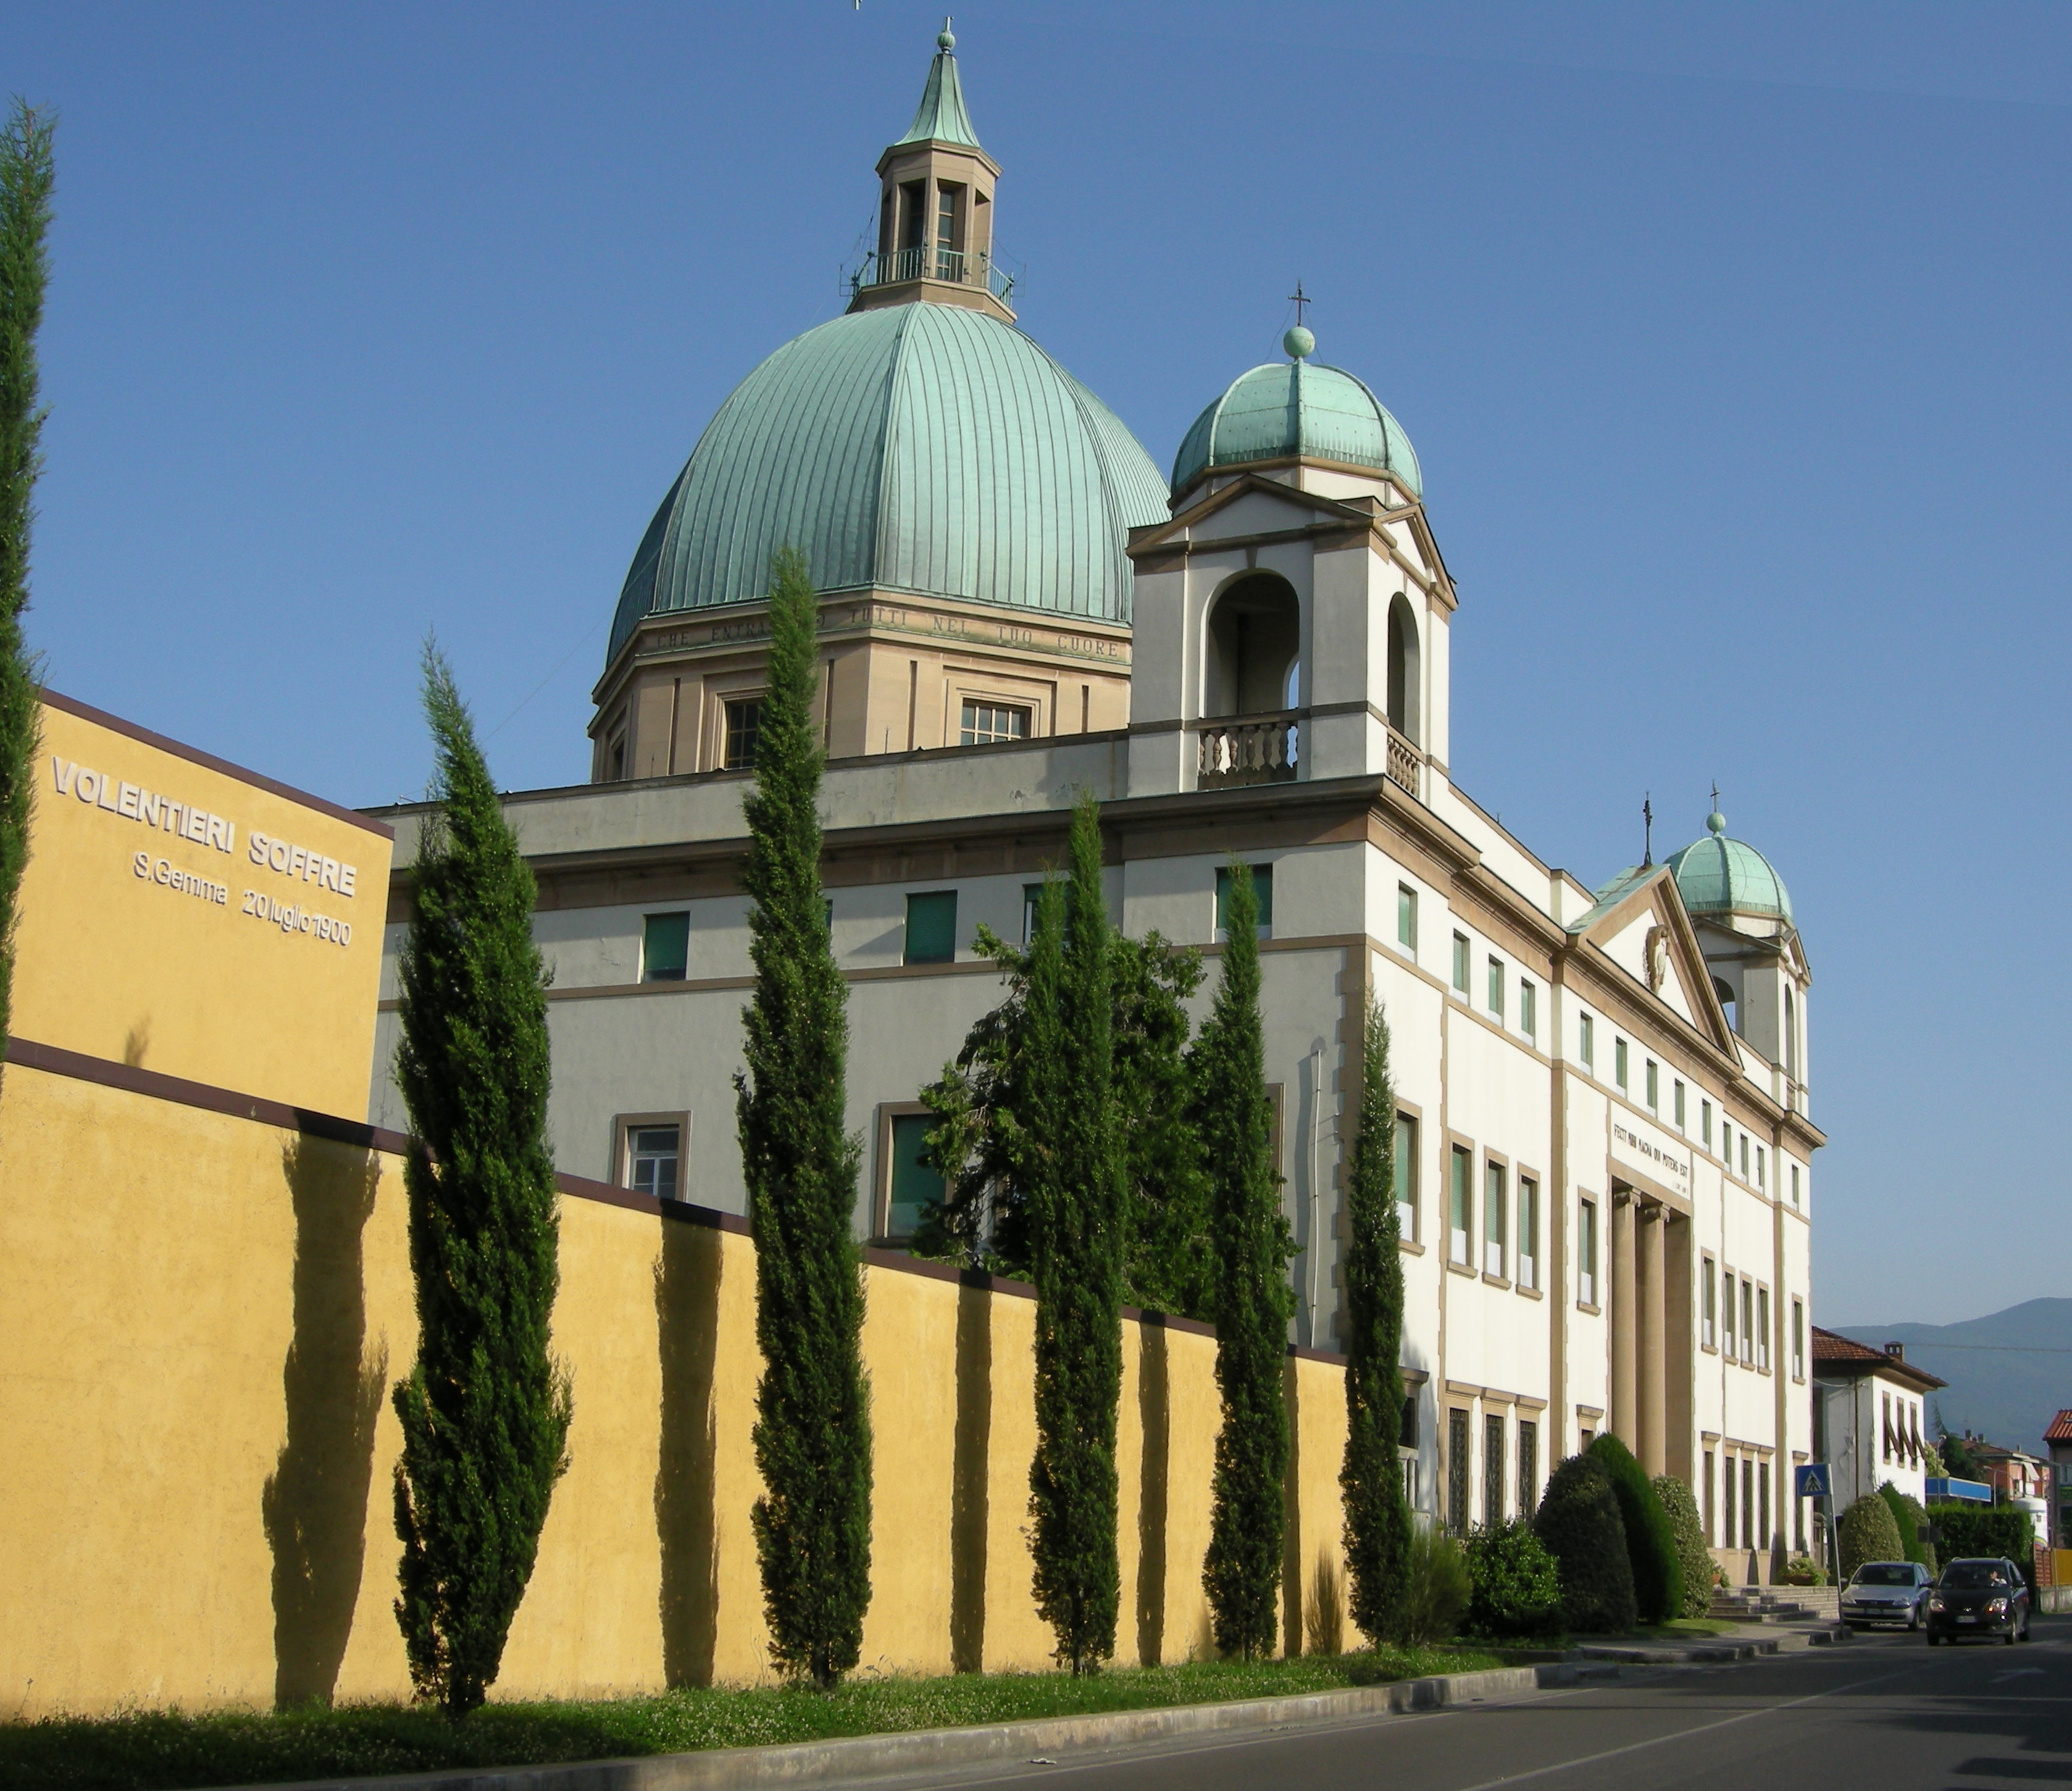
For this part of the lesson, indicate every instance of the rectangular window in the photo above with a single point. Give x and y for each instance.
(1528, 1232)
(744, 728)
(1031, 894)
(1705, 1123)
(912, 1185)
(1798, 1340)
(1462, 1195)
(1406, 917)
(1496, 987)
(932, 928)
(1744, 1154)
(985, 723)
(1727, 1510)
(1586, 1253)
(1678, 1094)
(1762, 1530)
(1709, 1322)
(1262, 890)
(1748, 1320)
(1712, 1530)
(1728, 1304)
(665, 947)
(1528, 1467)
(1493, 1214)
(1763, 1328)
(1461, 963)
(1759, 1180)
(652, 1155)
(1619, 1063)
(1406, 1176)
(1493, 1475)
(1795, 1184)
(1528, 1008)
(1456, 1471)
(1653, 1086)
(946, 232)
(1586, 1042)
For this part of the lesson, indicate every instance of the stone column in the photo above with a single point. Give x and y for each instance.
(1654, 1326)
(1625, 1327)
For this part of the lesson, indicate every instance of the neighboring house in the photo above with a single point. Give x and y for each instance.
(2016, 1478)
(1868, 1423)
(2057, 1439)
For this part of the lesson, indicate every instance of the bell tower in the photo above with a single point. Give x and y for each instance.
(935, 208)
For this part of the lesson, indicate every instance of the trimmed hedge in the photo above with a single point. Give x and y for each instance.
(1650, 1539)
(1579, 1525)
(1517, 1585)
(1907, 1513)
(1867, 1532)
(1962, 1529)
(1681, 1503)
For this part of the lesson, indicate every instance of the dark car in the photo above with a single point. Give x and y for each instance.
(1979, 1597)
(1886, 1591)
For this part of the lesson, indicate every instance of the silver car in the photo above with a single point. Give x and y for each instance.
(1887, 1592)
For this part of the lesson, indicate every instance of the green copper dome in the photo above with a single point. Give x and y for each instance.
(1719, 876)
(1297, 409)
(923, 448)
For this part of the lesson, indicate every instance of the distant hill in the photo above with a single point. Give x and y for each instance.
(2005, 1384)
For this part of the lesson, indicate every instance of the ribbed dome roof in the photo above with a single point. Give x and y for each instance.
(1288, 410)
(1719, 876)
(923, 448)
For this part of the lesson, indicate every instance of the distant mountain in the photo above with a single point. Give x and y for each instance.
(2006, 1383)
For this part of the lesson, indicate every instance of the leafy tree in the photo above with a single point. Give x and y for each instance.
(1689, 1530)
(1073, 1211)
(1956, 1453)
(984, 1148)
(1242, 1572)
(1377, 1516)
(1579, 1522)
(27, 178)
(1867, 1533)
(485, 1409)
(812, 1405)
(1650, 1540)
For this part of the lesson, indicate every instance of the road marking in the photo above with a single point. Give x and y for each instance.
(1681, 1734)
(2017, 1673)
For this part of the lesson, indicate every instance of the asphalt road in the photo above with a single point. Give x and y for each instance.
(1882, 1711)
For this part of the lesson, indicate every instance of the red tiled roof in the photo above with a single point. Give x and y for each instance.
(1832, 1350)
(2061, 1428)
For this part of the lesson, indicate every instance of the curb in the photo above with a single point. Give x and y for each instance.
(1699, 1653)
(924, 1750)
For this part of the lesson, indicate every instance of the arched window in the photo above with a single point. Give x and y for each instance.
(1255, 640)
(1725, 990)
(1406, 686)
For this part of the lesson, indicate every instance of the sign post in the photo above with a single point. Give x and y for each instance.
(1813, 1480)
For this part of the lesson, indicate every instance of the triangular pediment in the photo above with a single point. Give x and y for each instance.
(1249, 504)
(1640, 923)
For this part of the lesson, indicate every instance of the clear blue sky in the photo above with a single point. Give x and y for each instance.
(1733, 341)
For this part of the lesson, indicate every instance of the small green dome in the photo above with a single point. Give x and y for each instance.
(1297, 409)
(1719, 876)
(923, 448)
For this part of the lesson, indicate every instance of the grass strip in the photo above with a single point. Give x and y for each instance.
(173, 1750)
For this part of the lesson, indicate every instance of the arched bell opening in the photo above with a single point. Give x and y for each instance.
(1253, 666)
(1406, 684)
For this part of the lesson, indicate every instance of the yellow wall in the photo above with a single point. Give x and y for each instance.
(206, 1314)
(259, 991)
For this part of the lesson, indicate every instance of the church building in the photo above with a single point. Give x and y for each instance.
(1605, 1147)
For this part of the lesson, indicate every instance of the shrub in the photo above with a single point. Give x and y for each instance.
(1324, 1619)
(1580, 1526)
(1651, 1542)
(1964, 1528)
(1802, 1570)
(1867, 1533)
(1689, 1530)
(1517, 1587)
(1906, 1513)
(1436, 1590)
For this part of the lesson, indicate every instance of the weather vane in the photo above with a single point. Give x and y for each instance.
(1647, 822)
(1299, 300)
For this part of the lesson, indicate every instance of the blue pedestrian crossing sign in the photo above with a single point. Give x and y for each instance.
(1811, 1480)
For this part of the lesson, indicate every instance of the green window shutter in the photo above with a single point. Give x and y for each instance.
(665, 948)
(1262, 889)
(914, 1185)
(931, 927)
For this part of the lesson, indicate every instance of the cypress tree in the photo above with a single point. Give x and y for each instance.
(1242, 1572)
(812, 1405)
(485, 1409)
(1075, 1220)
(1377, 1517)
(28, 176)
